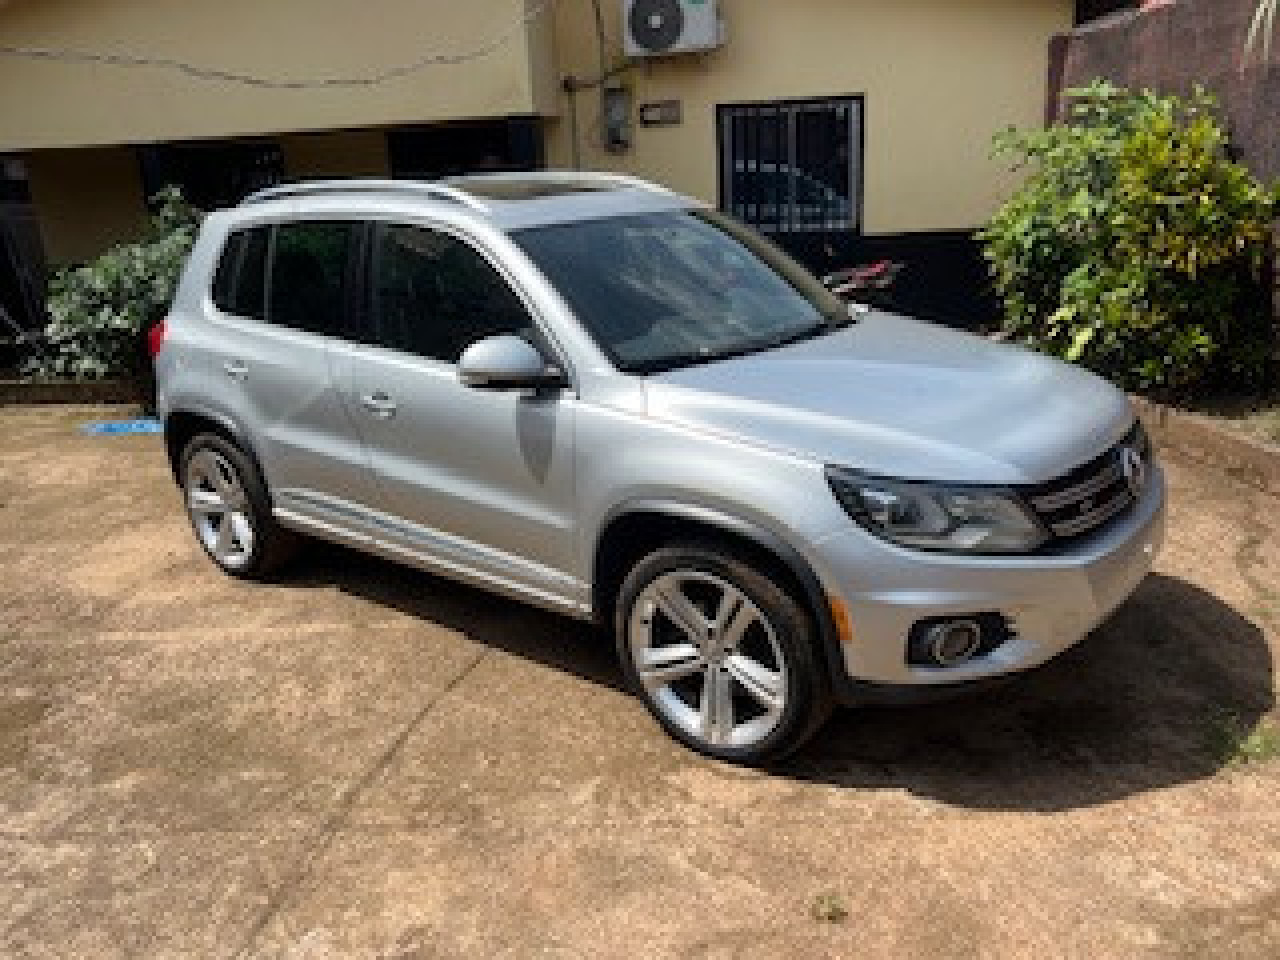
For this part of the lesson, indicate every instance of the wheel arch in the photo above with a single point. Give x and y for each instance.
(180, 426)
(635, 529)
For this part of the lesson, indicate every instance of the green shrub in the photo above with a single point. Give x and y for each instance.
(98, 312)
(1135, 246)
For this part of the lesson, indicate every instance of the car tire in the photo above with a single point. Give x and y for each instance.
(725, 659)
(227, 502)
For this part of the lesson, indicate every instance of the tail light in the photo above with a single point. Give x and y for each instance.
(155, 338)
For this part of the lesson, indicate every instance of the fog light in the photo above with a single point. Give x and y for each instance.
(953, 641)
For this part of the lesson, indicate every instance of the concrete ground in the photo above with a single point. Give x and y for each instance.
(362, 761)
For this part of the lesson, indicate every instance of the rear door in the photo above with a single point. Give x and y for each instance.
(478, 479)
(282, 298)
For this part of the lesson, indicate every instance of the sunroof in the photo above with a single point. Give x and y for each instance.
(502, 189)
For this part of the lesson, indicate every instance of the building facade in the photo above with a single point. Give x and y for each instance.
(848, 129)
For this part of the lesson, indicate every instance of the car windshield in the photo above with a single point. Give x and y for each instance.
(667, 290)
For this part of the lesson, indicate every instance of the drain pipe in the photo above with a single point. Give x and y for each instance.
(600, 53)
(573, 85)
(571, 89)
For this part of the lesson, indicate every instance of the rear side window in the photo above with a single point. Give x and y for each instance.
(308, 278)
(239, 284)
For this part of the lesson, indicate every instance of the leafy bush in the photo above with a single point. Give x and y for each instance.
(98, 312)
(1136, 247)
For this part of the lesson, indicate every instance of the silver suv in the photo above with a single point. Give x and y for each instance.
(603, 398)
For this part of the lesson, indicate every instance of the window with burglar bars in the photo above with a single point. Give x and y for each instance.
(793, 166)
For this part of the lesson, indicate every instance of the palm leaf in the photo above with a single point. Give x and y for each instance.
(1262, 28)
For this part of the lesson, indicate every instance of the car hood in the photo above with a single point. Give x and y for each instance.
(903, 398)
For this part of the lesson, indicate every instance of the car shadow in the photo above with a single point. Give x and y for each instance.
(1155, 697)
(483, 617)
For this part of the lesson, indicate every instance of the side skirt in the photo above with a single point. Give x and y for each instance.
(431, 563)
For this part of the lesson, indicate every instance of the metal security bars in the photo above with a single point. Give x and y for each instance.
(793, 166)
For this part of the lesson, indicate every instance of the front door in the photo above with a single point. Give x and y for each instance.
(474, 479)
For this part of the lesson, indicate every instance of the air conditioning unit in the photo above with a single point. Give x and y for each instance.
(659, 28)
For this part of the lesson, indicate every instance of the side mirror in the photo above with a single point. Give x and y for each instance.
(507, 362)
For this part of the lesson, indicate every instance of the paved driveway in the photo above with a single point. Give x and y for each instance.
(364, 761)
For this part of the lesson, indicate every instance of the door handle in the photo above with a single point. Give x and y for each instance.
(235, 370)
(379, 405)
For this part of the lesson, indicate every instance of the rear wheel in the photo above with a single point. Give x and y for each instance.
(725, 659)
(229, 509)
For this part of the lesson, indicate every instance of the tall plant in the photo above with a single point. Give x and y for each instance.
(98, 312)
(1135, 246)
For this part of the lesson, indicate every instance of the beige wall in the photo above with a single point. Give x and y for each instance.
(940, 77)
(544, 62)
(86, 200)
(44, 104)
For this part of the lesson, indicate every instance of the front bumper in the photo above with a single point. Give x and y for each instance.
(1052, 600)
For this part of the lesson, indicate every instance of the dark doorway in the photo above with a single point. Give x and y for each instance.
(22, 270)
(466, 146)
(211, 175)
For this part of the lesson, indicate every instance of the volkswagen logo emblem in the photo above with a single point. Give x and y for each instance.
(1134, 469)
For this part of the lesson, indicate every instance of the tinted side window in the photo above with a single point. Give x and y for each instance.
(224, 278)
(239, 283)
(308, 276)
(434, 296)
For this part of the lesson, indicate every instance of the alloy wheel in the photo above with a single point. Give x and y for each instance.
(708, 658)
(219, 509)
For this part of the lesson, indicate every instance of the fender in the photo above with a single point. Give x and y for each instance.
(224, 421)
(828, 633)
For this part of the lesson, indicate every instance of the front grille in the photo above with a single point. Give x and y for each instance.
(1083, 500)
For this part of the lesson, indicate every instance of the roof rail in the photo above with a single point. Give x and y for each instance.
(584, 177)
(424, 188)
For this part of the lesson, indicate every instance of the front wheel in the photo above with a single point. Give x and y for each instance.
(724, 658)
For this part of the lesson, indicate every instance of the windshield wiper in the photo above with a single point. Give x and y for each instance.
(808, 333)
(674, 361)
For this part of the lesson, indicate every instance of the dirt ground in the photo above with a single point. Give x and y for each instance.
(363, 761)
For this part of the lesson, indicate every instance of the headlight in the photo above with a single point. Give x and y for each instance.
(935, 517)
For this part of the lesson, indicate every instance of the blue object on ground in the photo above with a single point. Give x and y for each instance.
(114, 427)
